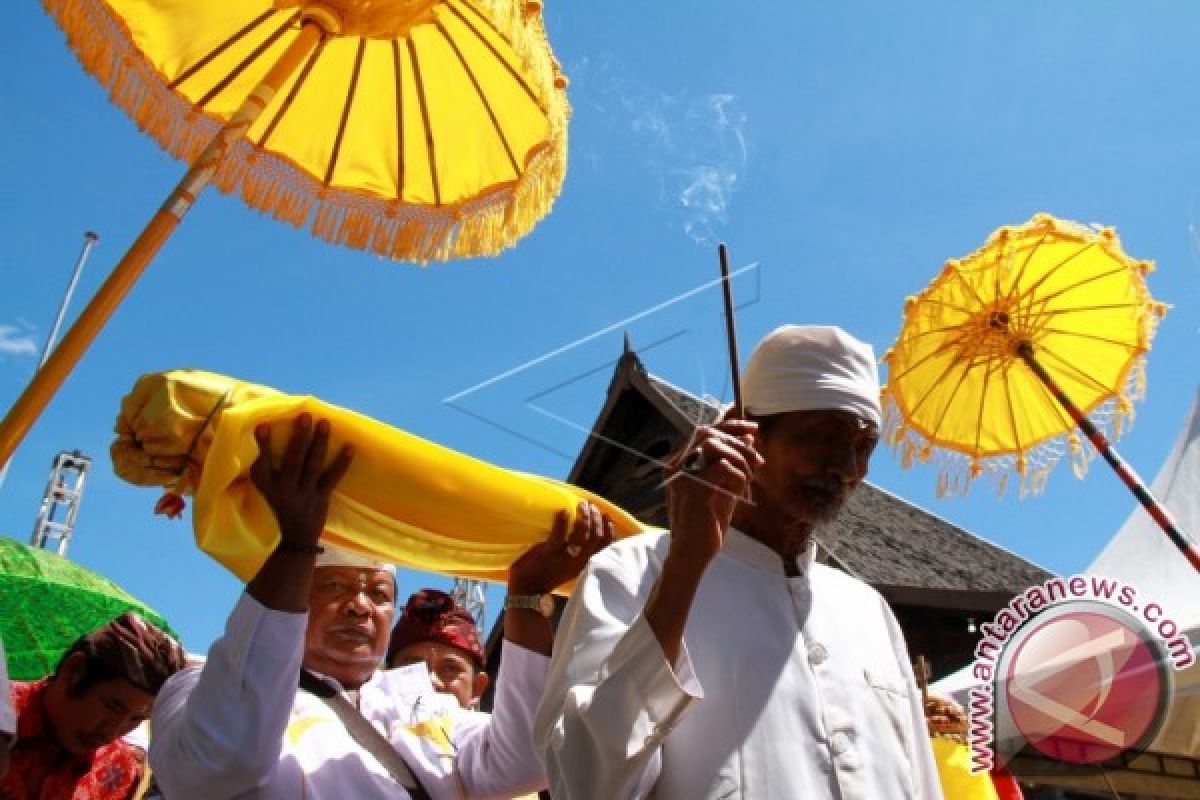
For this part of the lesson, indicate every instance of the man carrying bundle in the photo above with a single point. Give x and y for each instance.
(289, 705)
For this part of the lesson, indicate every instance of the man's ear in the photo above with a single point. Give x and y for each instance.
(482, 679)
(71, 671)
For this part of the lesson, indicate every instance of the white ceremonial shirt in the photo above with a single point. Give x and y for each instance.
(240, 728)
(785, 687)
(8, 717)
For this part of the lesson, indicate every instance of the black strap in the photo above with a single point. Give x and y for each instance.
(365, 734)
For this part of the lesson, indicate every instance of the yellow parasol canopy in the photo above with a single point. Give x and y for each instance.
(405, 500)
(960, 392)
(420, 129)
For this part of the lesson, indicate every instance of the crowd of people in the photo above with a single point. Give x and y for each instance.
(716, 659)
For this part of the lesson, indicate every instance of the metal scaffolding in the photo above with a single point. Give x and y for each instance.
(60, 504)
(470, 595)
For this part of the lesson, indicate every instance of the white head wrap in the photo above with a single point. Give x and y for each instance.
(337, 557)
(812, 368)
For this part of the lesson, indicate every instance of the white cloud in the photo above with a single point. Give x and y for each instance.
(17, 341)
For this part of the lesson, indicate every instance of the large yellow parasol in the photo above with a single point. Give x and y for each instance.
(1042, 330)
(406, 500)
(417, 129)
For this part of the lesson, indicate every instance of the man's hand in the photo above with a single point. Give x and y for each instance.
(705, 482)
(549, 564)
(298, 492)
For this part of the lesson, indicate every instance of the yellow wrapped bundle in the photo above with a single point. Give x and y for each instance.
(404, 500)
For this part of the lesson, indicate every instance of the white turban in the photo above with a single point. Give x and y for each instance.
(337, 557)
(812, 368)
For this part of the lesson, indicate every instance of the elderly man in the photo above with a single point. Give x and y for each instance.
(721, 660)
(69, 725)
(240, 727)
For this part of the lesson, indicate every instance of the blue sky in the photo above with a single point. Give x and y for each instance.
(845, 149)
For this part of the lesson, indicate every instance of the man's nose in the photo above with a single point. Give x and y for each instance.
(359, 603)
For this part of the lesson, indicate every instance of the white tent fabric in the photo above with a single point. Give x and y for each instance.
(1141, 556)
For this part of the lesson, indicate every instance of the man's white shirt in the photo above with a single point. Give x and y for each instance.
(785, 687)
(240, 728)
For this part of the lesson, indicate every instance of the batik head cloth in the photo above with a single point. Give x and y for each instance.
(433, 616)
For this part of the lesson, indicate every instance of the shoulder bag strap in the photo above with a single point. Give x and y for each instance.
(365, 734)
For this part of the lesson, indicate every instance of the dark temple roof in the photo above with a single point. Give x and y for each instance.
(909, 554)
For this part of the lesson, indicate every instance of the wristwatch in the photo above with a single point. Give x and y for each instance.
(541, 603)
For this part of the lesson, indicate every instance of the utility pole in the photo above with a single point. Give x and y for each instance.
(89, 241)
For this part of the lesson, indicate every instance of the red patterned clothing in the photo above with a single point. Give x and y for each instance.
(40, 769)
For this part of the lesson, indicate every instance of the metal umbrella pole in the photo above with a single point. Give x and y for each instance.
(89, 241)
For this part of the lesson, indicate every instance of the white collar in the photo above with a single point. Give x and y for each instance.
(747, 550)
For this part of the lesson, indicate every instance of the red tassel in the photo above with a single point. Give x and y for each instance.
(170, 505)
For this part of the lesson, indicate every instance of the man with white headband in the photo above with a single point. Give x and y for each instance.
(722, 661)
(290, 704)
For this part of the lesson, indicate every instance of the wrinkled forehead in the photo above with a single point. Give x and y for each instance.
(364, 576)
(848, 421)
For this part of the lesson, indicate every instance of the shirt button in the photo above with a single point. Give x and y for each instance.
(817, 654)
(839, 743)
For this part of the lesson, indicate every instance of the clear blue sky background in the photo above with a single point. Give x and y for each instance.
(846, 148)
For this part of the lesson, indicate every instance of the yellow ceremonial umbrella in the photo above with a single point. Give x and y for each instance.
(417, 129)
(405, 500)
(1042, 330)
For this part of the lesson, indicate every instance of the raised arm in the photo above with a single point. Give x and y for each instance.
(218, 731)
(498, 758)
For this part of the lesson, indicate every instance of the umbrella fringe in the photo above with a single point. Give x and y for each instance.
(957, 471)
(483, 226)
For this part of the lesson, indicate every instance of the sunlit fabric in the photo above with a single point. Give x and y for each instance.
(953, 760)
(423, 129)
(405, 500)
(959, 394)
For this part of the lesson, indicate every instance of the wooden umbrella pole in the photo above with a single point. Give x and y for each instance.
(1126, 473)
(50, 376)
(739, 409)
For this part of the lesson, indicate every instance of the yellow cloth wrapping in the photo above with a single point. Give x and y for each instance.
(954, 770)
(404, 500)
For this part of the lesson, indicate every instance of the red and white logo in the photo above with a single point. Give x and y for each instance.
(1083, 682)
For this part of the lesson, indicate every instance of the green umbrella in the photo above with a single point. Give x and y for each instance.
(47, 602)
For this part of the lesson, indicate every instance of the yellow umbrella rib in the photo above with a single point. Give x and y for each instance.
(516, 74)
(221, 48)
(1079, 374)
(963, 280)
(350, 90)
(398, 72)
(941, 417)
(1026, 294)
(1042, 299)
(232, 75)
(286, 105)
(1054, 312)
(987, 379)
(939, 302)
(482, 99)
(1012, 416)
(412, 54)
(941, 350)
(1025, 265)
(1091, 336)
